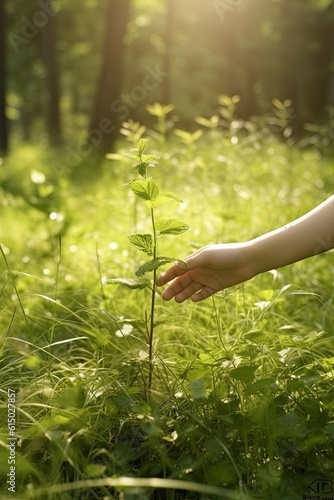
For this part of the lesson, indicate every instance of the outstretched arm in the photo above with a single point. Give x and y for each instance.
(215, 267)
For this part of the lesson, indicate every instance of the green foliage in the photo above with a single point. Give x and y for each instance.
(171, 226)
(187, 137)
(153, 265)
(241, 404)
(142, 241)
(134, 283)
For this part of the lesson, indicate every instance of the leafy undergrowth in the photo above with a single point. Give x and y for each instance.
(241, 403)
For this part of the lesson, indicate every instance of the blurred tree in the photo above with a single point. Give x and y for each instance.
(330, 45)
(186, 53)
(33, 81)
(49, 54)
(303, 59)
(108, 112)
(3, 120)
(167, 57)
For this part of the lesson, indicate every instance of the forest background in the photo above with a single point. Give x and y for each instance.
(72, 72)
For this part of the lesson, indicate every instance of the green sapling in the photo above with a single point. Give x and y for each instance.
(146, 189)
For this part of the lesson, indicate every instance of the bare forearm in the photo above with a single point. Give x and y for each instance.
(217, 267)
(309, 235)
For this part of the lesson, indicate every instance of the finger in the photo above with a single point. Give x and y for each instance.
(190, 291)
(203, 294)
(196, 259)
(178, 269)
(177, 287)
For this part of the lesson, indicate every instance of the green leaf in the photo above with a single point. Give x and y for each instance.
(133, 283)
(94, 470)
(145, 189)
(142, 145)
(163, 198)
(212, 123)
(102, 337)
(243, 373)
(158, 109)
(134, 154)
(289, 420)
(153, 264)
(188, 138)
(122, 399)
(171, 226)
(278, 104)
(146, 162)
(142, 169)
(172, 196)
(142, 241)
(151, 160)
(256, 336)
(262, 386)
(209, 358)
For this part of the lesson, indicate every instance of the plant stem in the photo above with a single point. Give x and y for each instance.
(151, 334)
(151, 328)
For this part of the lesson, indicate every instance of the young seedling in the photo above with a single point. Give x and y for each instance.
(147, 190)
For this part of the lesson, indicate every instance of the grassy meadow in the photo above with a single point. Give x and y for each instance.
(242, 397)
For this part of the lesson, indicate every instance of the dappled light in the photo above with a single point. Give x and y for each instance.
(145, 148)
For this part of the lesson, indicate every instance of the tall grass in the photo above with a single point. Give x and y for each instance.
(242, 398)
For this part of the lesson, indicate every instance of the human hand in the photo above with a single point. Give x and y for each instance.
(207, 271)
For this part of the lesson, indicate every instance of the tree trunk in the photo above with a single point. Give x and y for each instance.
(166, 61)
(229, 43)
(48, 40)
(3, 120)
(109, 111)
(330, 88)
